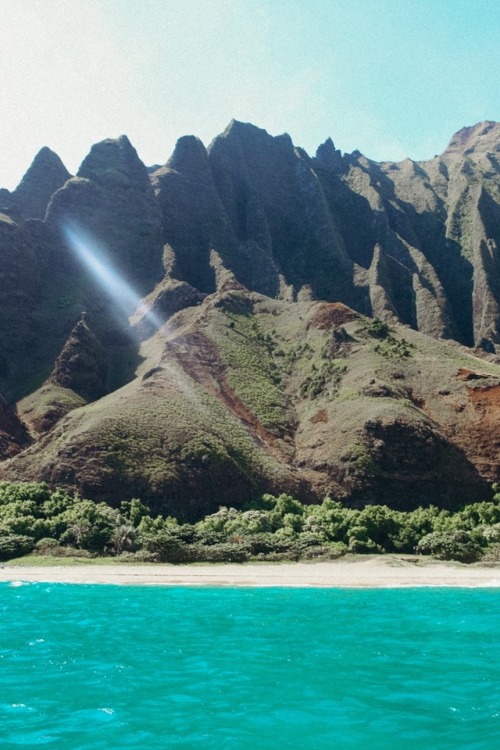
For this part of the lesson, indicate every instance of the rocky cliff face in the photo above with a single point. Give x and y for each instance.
(267, 265)
(112, 201)
(411, 242)
(24, 248)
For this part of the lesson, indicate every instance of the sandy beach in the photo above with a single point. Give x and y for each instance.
(386, 571)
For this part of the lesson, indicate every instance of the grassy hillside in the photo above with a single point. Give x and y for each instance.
(243, 394)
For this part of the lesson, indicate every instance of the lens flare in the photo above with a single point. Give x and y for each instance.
(93, 255)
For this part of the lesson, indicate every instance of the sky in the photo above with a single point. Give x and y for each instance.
(392, 78)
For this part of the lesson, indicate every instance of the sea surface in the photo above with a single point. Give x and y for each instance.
(101, 667)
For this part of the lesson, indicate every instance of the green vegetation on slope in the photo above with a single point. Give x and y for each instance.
(245, 395)
(253, 372)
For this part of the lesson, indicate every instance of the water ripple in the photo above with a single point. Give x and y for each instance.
(109, 667)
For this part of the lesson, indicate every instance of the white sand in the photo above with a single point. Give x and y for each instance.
(386, 571)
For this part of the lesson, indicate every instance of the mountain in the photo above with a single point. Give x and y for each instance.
(248, 318)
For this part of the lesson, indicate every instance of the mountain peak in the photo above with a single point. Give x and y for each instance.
(46, 174)
(250, 132)
(112, 155)
(484, 136)
(328, 155)
(190, 154)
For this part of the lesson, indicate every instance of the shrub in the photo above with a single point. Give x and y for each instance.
(362, 545)
(492, 554)
(217, 553)
(15, 545)
(52, 548)
(453, 545)
(330, 520)
(123, 539)
(37, 492)
(134, 511)
(162, 546)
(48, 546)
(382, 526)
(489, 535)
(264, 544)
(375, 328)
(324, 552)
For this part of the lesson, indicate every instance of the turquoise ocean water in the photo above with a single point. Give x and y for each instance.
(101, 667)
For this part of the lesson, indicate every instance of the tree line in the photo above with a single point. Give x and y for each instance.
(36, 519)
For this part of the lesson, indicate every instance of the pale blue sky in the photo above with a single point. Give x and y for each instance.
(392, 78)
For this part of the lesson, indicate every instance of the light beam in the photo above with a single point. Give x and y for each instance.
(92, 254)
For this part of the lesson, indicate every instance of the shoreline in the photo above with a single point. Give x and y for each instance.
(385, 571)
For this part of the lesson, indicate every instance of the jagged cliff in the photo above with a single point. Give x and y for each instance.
(411, 242)
(198, 333)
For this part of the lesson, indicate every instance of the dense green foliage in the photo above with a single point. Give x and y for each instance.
(35, 518)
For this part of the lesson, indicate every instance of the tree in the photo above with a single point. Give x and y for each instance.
(453, 545)
(15, 545)
(90, 525)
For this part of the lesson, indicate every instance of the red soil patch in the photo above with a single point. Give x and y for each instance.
(200, 360)
(487, 398)
(479, 432)
(331, 313)
(320, 416)
(465, 374)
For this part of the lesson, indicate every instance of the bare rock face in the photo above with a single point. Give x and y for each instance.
(44, 288)
(111, 199)
(481, 138)
(22, 251)
(413, 242)
(381, 290)
(278, 211)
(46, 175)
(194, 220)
(446, 211)
(257, 202)
(329, 157)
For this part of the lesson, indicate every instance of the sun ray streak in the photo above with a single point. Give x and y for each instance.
(92, 254)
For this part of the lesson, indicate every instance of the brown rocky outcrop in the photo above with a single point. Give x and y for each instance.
(168, 298)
